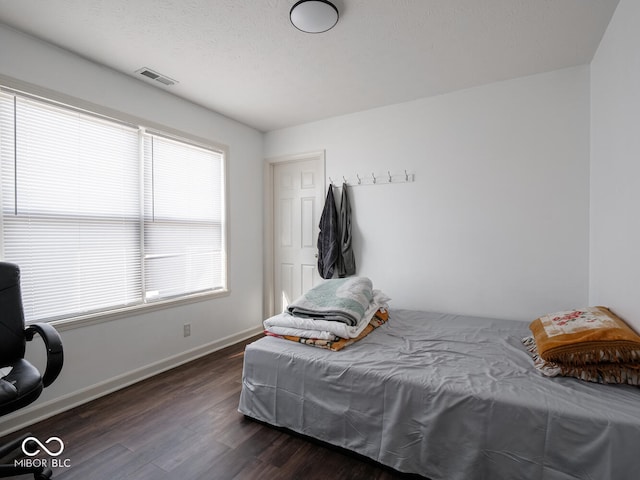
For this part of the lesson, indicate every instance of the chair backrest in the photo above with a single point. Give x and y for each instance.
(12, 337)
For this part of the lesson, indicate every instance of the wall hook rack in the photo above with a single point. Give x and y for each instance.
(372, 179)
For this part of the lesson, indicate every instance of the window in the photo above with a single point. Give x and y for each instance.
(183, 228)
(102, 215)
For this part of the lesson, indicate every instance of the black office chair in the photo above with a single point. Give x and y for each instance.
(23, 384)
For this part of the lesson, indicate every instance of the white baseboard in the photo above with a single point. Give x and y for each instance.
(31, 415)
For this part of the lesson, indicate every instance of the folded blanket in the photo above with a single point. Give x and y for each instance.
(380, 317)
(288, 324)
(297, 332)
(586, 336)
(338, 300)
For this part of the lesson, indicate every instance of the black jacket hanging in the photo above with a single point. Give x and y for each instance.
(347, 263)
(328, 238)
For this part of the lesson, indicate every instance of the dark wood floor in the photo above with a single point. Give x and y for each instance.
(184, 425)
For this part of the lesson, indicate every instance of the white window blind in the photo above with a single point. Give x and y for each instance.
(183, 230)
(70, 203)
(74, 218)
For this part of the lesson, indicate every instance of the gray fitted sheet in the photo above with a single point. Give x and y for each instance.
(448, 397)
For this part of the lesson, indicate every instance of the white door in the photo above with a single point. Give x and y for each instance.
(298, 199)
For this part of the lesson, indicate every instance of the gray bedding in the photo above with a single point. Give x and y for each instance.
(448, 397)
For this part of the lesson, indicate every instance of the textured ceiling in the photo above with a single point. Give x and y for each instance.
(243, 58)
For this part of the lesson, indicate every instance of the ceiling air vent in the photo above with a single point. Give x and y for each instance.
(147, 72)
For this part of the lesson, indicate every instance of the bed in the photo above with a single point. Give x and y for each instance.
(446, 397)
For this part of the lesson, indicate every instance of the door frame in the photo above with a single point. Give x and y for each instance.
(268, 302)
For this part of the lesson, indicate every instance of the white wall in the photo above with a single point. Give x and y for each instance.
(496, 222)
(103, 356)
(615, 166)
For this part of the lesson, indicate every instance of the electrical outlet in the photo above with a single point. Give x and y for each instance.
(187, 329)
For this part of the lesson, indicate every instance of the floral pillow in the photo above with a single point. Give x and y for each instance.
(585, 336)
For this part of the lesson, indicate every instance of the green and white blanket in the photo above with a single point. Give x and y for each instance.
(341, 300)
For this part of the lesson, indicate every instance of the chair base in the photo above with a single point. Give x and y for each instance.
(8, 471)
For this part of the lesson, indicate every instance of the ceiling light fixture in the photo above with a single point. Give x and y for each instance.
(314, 16)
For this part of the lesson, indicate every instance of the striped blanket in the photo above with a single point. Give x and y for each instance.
(336, 343)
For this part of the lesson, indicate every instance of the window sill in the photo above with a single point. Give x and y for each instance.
(116, 314)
